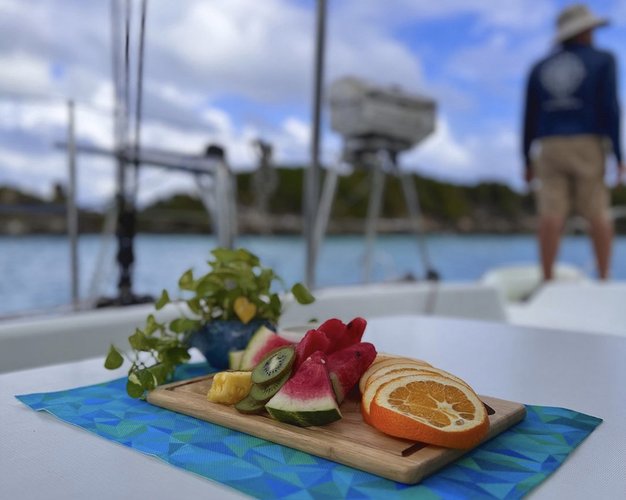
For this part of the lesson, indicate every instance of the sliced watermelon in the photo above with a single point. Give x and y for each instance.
(307, 398)
(313, 340)
(342, 335)
(354, 333)
(263, 341)
(334, 329)
(346, 367)
(234, 359)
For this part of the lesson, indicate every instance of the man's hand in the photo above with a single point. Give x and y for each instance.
(529, 173)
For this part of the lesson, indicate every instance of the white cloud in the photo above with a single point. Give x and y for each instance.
(260, 54)
(173, 94)
(298, 130)
(23, 73)
(489, 63)
(448, 157)
(514, 14)
(219, 120)
(441, 152)
(254, 48)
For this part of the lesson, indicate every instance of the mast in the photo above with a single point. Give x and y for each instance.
(311, 187)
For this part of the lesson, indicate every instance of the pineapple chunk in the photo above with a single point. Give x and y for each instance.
(230, 387)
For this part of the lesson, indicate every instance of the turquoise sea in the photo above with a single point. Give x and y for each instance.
(35, 269)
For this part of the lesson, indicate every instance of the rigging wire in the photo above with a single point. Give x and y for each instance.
(115, 69)
(139, 96)
(127, 20)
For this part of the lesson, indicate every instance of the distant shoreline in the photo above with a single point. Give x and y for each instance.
(486, 208)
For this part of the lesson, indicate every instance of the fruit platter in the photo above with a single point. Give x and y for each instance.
(335, 396)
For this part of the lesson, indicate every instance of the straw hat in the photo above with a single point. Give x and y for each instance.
(576, 19)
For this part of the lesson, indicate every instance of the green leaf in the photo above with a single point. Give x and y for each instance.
(151, 325)
(224, 255)
(161, 372)
(185, 282)
(163, 300)
(134, 390)
(302, 294)
(182, 325)
(147, 379)
(194, 306)
(174, 356)
(114, 359)
(264, 281)
(208, 285)
(140, 342)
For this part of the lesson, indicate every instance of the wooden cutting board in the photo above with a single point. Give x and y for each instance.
(349, 441)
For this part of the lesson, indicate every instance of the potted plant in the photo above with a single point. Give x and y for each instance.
(224, 307)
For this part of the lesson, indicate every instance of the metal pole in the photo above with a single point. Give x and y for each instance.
(413, 205)
(374, 206)
(72, 212)
(326, 203)
(312, 175)
(139, 96)
(115, 73)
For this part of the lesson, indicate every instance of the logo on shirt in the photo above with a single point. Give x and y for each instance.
(562, 75)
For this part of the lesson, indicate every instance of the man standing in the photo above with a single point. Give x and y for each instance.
(572, 109)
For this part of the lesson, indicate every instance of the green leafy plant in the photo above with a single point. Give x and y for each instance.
(237, 287)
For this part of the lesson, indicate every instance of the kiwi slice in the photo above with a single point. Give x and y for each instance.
(274, 366)
(250, 406)
(264, 393)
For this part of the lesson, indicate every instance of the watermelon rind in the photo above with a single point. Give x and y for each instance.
(263, 341)
(345, 367)
(304, 412)
(338, 389)
(234, 359)
(307, 398)
(305, 418)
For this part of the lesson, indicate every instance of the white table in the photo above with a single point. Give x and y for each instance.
(41, 457)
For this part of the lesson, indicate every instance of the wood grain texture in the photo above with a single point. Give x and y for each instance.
(349, 441)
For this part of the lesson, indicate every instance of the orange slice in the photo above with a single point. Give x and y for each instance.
(376, 365)
(431, 409)
(374, 385)
(423, 369)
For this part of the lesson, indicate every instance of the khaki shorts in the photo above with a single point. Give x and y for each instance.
(571, 172)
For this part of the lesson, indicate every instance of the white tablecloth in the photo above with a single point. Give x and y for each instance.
(41, 457)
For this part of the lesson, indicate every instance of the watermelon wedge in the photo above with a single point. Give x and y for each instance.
(342, 335)
(307, 398)
(346, 367)
(353, 334)
(313, 341)
(334, 329)
(263, 341)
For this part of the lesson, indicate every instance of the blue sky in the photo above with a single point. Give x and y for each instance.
(230, 71)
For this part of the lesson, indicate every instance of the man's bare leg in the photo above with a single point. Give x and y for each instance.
(601, 231)
(550, 228)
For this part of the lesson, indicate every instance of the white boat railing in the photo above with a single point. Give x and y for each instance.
(38, 341)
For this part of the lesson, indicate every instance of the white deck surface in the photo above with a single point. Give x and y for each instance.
(42, 457)
(591, 307)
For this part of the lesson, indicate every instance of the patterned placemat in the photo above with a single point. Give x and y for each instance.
(508, 466)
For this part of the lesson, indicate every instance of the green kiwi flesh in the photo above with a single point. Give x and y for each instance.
(264, 393)
(274, 366)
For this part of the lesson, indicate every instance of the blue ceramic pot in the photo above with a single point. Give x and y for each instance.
(217, 338)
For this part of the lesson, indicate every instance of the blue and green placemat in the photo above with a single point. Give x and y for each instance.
(508, 466)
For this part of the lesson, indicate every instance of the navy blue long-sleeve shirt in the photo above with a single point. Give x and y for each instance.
(573, 91)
